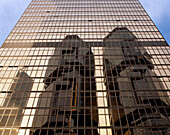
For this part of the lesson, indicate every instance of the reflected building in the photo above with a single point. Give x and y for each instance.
(14, 102)
(133, 86)
(67, 91)
(85, 68)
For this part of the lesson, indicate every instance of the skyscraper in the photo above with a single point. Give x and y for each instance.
(85, 67)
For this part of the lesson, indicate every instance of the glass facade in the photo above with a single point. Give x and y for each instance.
(85, 67)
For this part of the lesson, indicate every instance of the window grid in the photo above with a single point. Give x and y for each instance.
(85, 67)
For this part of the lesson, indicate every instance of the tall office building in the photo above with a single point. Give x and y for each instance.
(85, 67)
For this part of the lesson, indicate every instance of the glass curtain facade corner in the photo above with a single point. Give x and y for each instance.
(85, 67)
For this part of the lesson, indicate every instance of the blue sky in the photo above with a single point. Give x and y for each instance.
(11, 10)
(159, 11)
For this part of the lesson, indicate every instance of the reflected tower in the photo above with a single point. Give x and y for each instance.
(133, 86)
(13, 107)
(68, 89)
